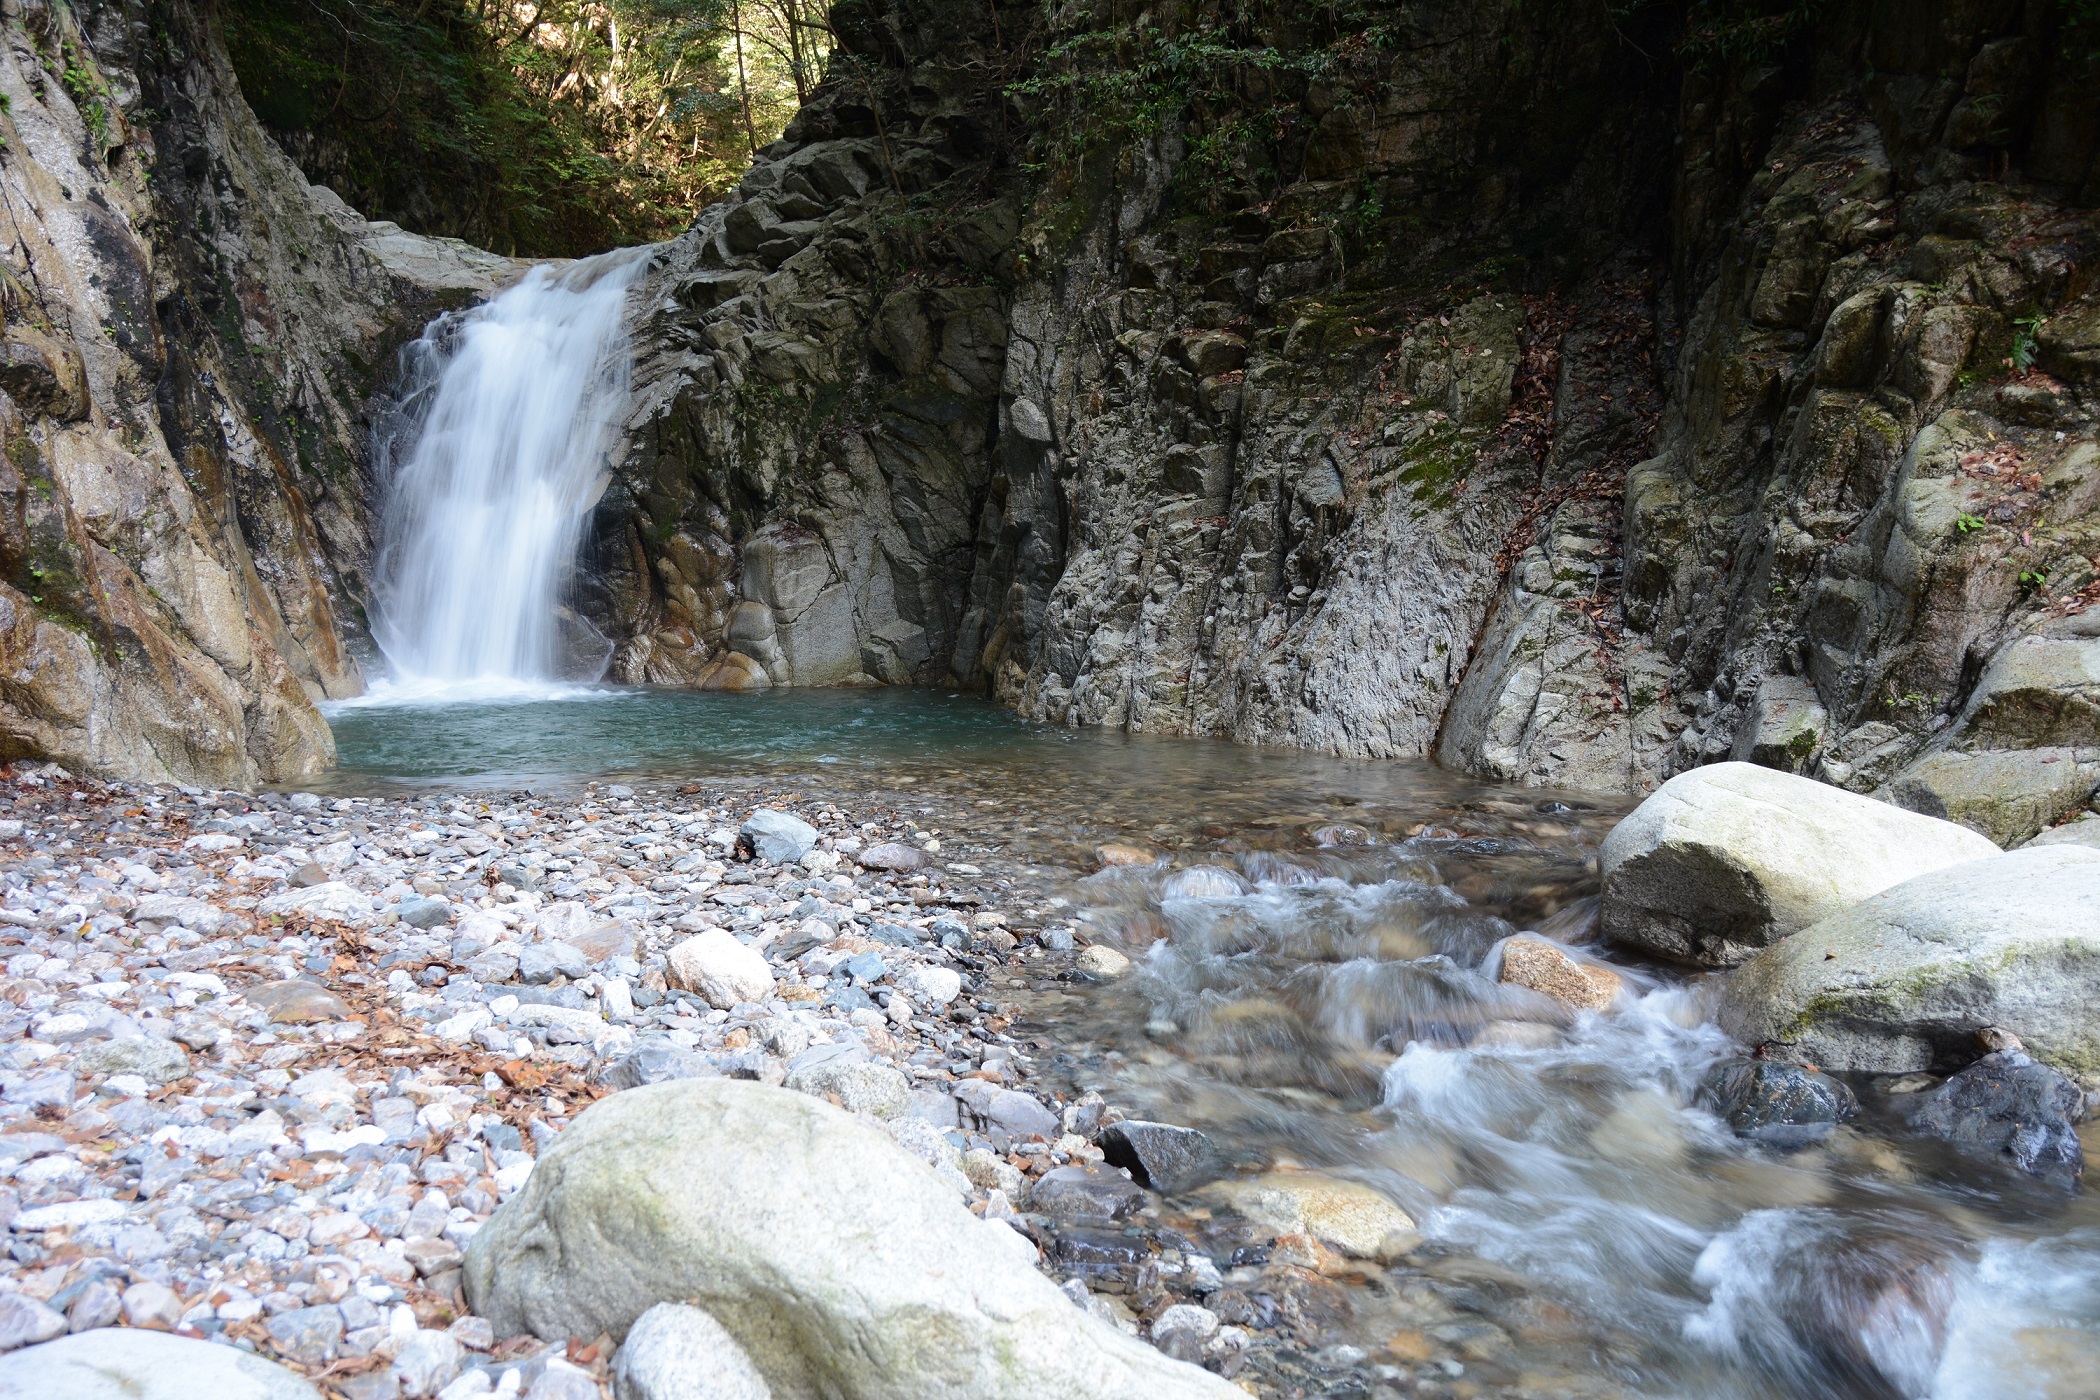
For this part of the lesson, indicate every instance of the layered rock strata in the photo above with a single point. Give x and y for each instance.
(191, 333)
(1467, 417)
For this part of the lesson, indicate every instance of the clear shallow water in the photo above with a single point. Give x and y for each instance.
(1331, 1008)
(501, 733)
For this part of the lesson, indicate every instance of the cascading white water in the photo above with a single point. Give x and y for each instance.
(489, 466)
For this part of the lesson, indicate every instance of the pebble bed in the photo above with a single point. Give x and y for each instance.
(268, 1062)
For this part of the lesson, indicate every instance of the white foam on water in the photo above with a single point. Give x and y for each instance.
(427, 693)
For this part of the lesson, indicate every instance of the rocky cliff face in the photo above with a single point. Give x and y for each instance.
(191, 332)
(1513, 394)
(1574, 397)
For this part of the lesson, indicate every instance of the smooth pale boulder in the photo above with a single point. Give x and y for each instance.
(893, 856)
(677, 1352)
(2083, 831)
(777, 836)
(1902, 981)
(839, 1263)
(1100, 960)
(927, 984)
(858, 1086)
(128, 1363)
(162, 1061)
(720, 970)
(1725, 860)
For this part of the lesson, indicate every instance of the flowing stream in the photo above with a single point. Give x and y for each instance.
(1315, 977)
(488, 468)
(1314, 987)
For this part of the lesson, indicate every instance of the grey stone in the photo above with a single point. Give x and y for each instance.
(1181, 1331)
(1727, 859)
(1785, 1105)
(1085, 1193)
(892, 855)
(861, 1086)
(2007, 795)
(162, 1061)
(677, 1352)
(1786, 726)
(653, 1061)
(863, 968)
(559, 1380)
(2007, 1108)
(2084, 831)
(24, 1321)
(426, 1361)
(1162, 1156)
(777, 836)
(1901, 981)
(99, 1305)
(197, 915)
(424, 913)
(1014, 1113)
(2039, 691)
(540, 963)
(114, 1362)
(308, 1335)
(700, 1190)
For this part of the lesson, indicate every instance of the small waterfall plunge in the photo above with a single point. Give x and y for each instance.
(488, 468)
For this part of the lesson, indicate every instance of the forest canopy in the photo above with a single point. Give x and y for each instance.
(555, 128)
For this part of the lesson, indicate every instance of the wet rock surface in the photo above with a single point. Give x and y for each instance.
(2009, 1109)
(1901, 981)
(313, 1189)
(1786, 1105)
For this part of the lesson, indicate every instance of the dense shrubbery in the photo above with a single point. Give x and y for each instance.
(555, 128)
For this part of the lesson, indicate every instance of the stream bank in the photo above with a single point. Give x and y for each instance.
(1421, 1170)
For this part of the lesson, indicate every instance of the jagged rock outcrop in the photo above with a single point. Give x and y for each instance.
(1459, 414)
(191, 332)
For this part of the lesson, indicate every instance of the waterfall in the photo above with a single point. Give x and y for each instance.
(488, 464)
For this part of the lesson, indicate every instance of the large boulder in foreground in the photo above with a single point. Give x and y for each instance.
(1726, 860)
(839, 1262)
(130, 1363)
(1903, 981)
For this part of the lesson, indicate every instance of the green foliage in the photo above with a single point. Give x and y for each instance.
(2081, 26)
(1965, 522)
(1224, 82)
(84, 85)
(1743, 31)
(2023, 342)
(539, 129)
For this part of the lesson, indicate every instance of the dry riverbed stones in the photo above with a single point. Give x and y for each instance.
(270, 1066)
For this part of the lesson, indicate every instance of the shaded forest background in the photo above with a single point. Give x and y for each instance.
(550, 129)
